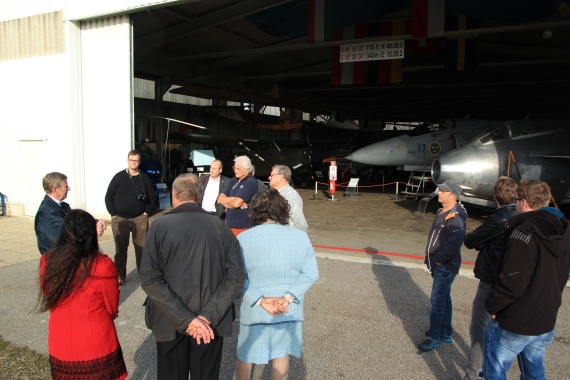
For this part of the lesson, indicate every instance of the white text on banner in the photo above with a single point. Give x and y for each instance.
(372, 51)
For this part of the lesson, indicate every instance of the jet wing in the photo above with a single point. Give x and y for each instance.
(212, 93)
(562, 157)
(215, 140)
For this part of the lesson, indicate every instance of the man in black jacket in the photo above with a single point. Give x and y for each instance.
(129, 200)
(488, 239)
(192, 271)
(443, 259)
(53, 210)
(212, 186)
(533, 271)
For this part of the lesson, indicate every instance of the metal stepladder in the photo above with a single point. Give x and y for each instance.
(415, 188)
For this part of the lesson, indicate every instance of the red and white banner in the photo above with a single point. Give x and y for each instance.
(428, 18)
(347, 73)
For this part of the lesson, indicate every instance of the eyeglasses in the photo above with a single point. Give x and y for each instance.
(271, 175)
(517, 199)
(135, 161)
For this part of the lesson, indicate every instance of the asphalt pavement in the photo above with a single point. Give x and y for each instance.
(363, 320)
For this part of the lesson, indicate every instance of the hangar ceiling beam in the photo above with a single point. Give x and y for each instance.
(206, 21)
(455, 33)
(429, 85)
(204, 71)
(405, 68)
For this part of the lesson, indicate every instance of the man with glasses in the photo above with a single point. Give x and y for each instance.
(443, 259)
(279, 179)
(489, 240)
(129, 200)
(527, 290)
(237, 195)
(53, 211)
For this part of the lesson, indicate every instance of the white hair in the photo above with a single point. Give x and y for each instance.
(245, 161)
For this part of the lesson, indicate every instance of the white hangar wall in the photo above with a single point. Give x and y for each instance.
(66, 97)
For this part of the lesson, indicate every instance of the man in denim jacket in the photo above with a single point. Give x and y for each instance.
(443, 259)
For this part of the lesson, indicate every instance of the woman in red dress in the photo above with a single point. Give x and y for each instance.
(79, 287)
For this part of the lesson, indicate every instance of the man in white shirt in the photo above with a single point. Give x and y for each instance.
(212, 185)
(279, 180)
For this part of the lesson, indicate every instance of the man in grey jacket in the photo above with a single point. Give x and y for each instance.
(192, 271)
(279, 180)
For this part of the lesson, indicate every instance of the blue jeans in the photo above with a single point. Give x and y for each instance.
(441, 309)
(502, 346)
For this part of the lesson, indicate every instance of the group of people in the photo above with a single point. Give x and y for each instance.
(191, 265)
(522, 267)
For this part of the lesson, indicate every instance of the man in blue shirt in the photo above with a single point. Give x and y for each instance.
(237, 195)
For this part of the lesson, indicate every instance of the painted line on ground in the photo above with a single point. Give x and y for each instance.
(371, 252)
(379, 261)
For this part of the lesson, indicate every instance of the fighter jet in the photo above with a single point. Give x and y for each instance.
(417, 152)
(522, 149)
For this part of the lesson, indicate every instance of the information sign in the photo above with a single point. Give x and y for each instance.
(332, 172)
(372, 51)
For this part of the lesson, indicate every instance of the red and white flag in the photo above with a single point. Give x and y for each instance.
(353, 72)
(390, 70)
(319, 20)
(428, 18)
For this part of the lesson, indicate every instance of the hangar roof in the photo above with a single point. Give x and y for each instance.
(216, 45)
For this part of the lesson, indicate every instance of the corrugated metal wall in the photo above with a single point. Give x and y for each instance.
(32, 36)
(12, 10)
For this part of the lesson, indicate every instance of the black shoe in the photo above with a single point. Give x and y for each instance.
(121, 282)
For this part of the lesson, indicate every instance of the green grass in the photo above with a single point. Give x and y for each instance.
(22, 363)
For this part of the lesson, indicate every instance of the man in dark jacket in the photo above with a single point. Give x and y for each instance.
(212, 186)
(488, 239)
(129, 199)
(192, 271)
(443, 258)
(53, 211)
(533, 271)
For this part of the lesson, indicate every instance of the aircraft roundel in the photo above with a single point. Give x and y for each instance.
(434, 148)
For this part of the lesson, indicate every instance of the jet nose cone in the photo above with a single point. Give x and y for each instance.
(383, 153)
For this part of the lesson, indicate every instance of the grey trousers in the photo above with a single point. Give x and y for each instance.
(480, 318)
(122, 229)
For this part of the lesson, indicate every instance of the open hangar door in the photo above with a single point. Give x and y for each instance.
(490, 63)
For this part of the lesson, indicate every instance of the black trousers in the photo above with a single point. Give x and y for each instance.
(177, 358)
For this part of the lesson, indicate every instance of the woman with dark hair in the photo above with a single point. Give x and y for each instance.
(79, 288)
(280, 267)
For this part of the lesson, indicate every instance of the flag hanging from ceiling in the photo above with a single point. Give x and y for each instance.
(352, 72)
(319, 20)
(461, 51)
(421, 45)
(387, 71)
(428, 18)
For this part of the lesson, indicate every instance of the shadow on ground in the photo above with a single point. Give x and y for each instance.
(410, 303)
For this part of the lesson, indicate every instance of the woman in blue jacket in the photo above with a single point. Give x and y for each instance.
(280, 266)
